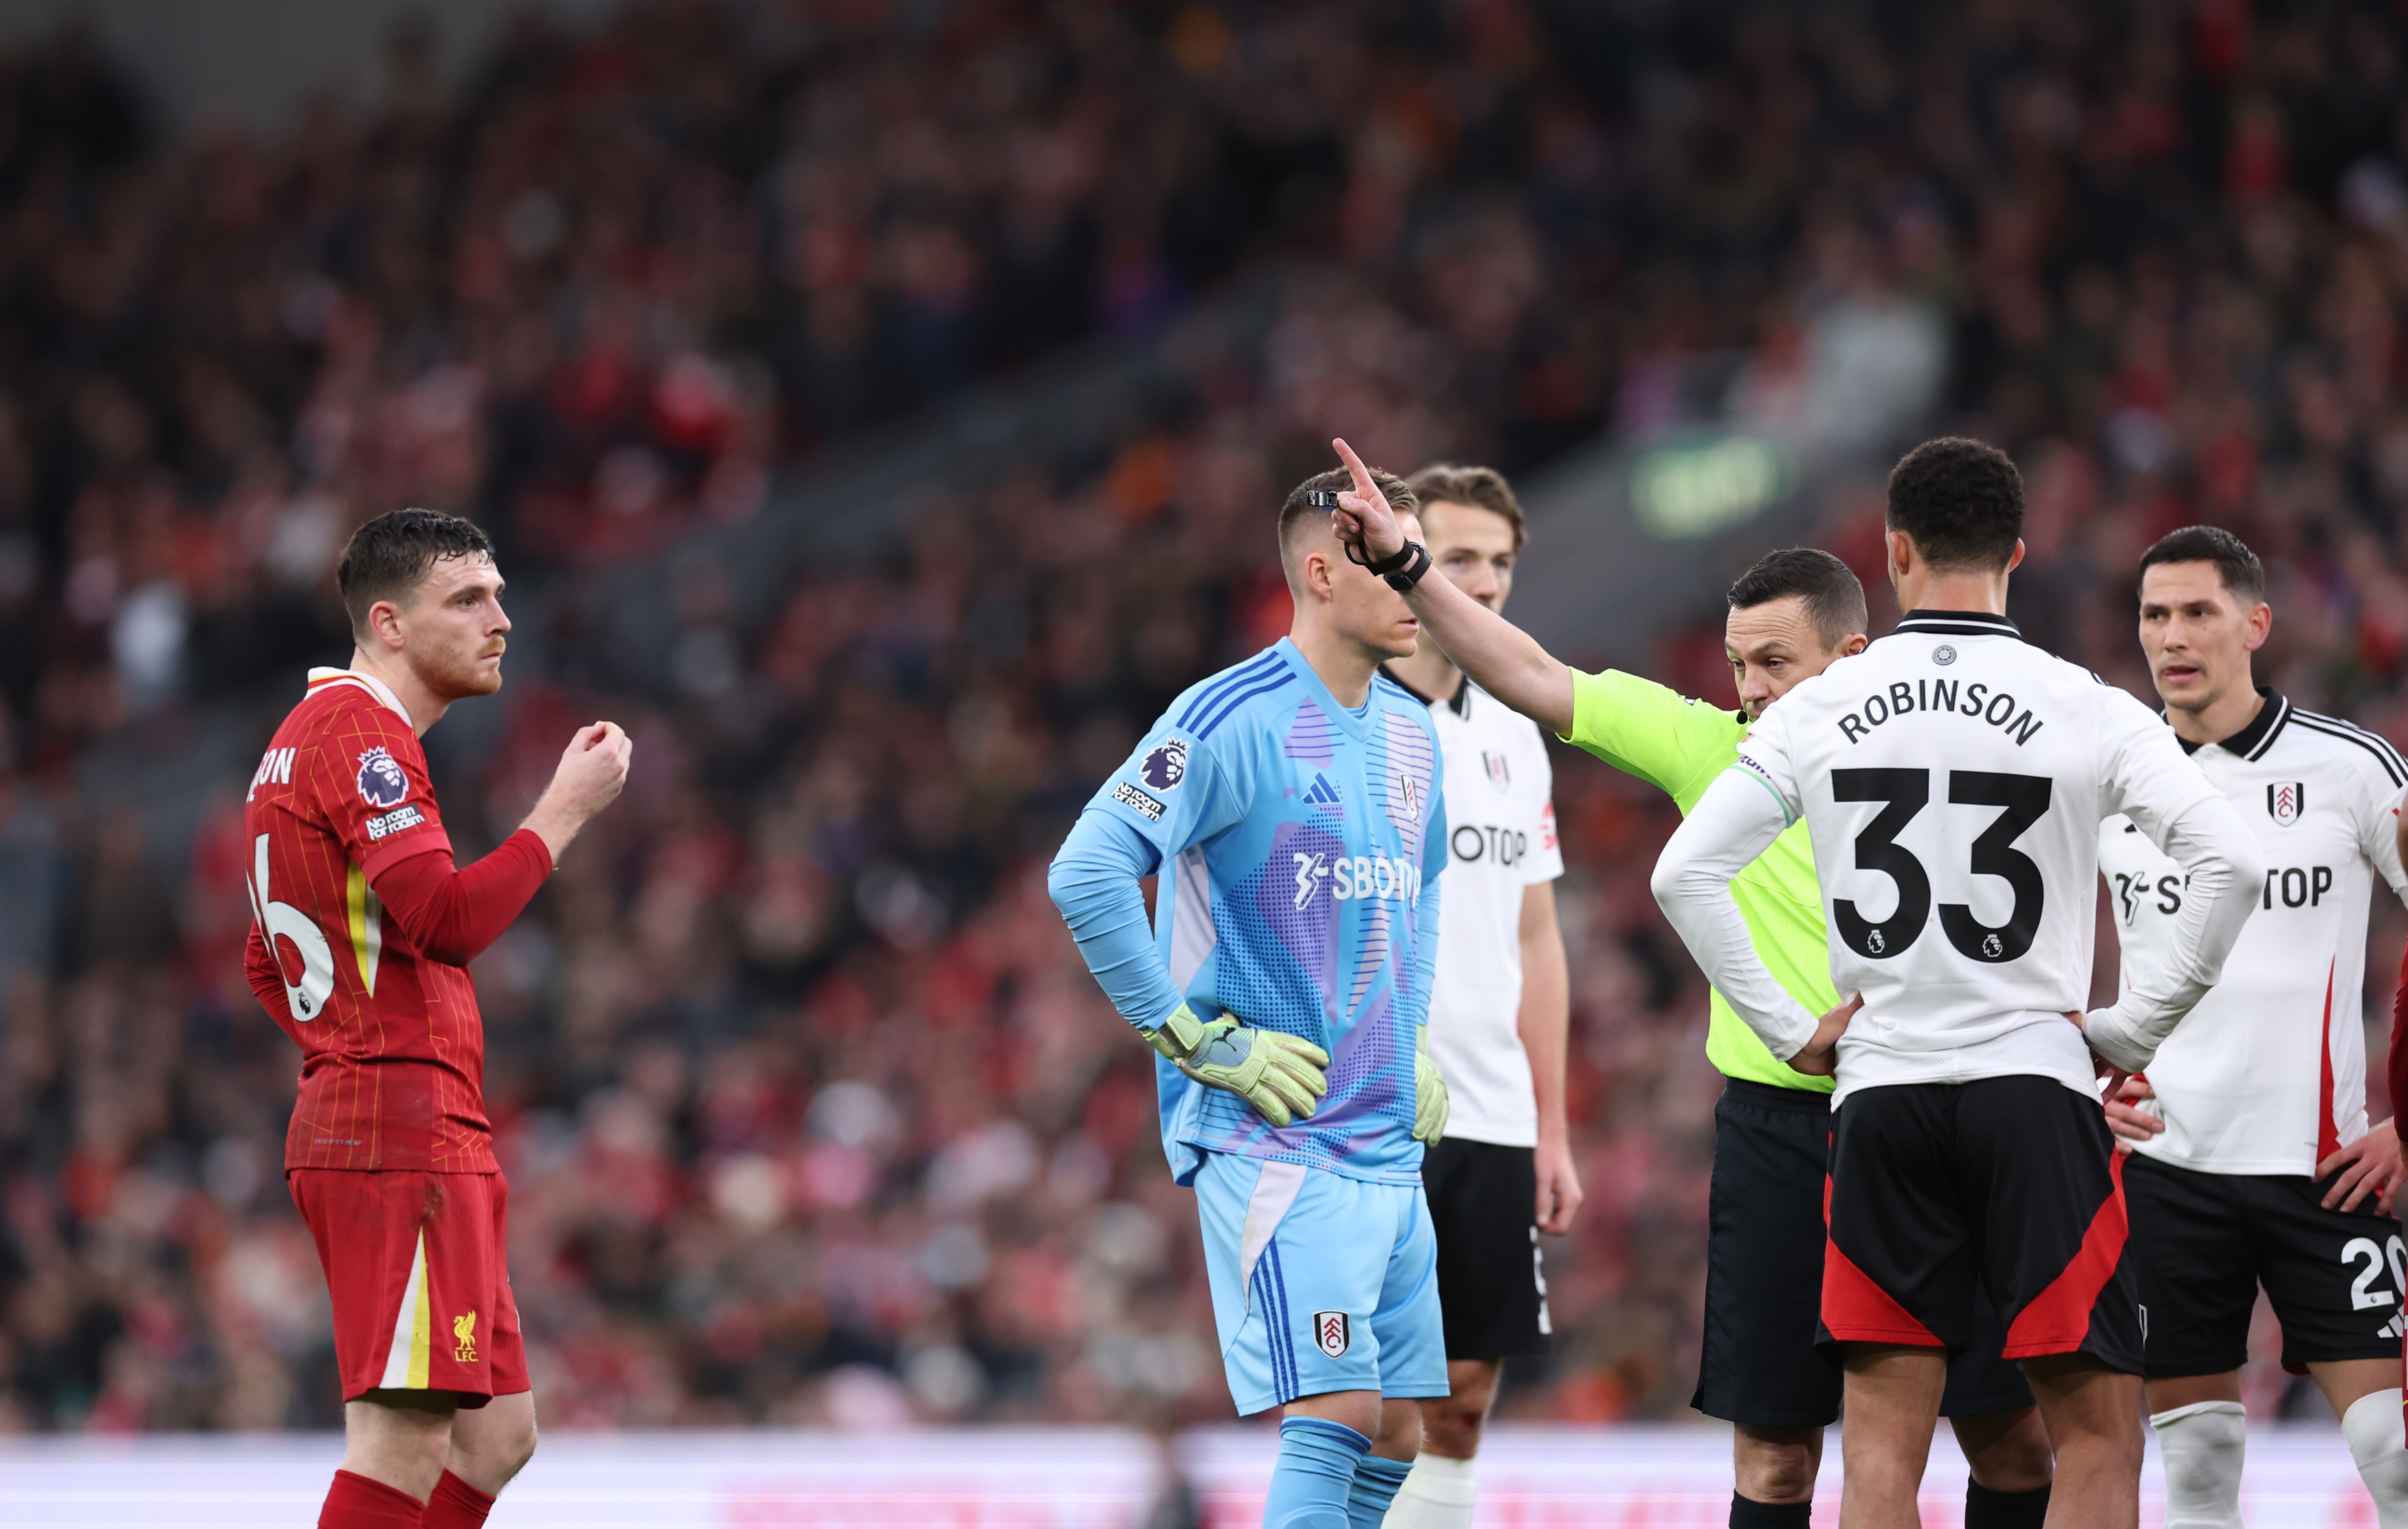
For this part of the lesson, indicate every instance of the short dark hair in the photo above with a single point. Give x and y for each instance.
(1296, 508)
(1835, 601)
(2236, 567)
(1483, 488)
(387, 558)
(1961, 500)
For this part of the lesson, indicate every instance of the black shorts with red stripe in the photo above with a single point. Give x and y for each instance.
(1940, 1189)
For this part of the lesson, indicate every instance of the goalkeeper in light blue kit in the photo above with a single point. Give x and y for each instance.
(1291, 805)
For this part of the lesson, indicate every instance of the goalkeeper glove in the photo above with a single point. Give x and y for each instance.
(1429, 1090)
(1279, 1074)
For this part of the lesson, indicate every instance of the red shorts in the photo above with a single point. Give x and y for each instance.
(420, 1291)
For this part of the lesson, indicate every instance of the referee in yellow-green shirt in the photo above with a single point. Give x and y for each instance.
(1760, 1368)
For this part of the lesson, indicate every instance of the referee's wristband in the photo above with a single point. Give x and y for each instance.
(1403, 569)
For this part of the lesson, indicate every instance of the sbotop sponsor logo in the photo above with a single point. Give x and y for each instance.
(1473, 842)
(1356, 877)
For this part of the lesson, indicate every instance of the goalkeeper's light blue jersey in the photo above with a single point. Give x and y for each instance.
(1301, 844)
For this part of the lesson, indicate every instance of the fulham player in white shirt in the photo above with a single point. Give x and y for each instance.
(1954, 778)
(2255, 1165)
(1504, 1173)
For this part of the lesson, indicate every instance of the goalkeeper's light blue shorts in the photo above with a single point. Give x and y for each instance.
(1320, 1282)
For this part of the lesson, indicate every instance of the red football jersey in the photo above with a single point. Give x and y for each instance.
(393, 1049)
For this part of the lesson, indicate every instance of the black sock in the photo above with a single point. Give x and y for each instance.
(1988, 1509)
(1747, 1513)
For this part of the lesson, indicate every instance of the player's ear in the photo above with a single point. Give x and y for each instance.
(2259, 626)
(1855, 645)
(385, 623)
(1320, 573)
(2015, 558)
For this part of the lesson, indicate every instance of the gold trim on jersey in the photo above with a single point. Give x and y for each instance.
(367, 926)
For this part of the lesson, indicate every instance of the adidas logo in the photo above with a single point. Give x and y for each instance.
(1322, 791)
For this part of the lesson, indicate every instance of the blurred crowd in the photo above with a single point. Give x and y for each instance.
(810, 1112)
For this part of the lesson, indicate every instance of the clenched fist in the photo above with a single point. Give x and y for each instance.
(592, 771)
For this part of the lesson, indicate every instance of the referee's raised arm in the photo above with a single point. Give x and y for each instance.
(1501, 658)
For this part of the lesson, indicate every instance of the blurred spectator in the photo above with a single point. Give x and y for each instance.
(765, 1061)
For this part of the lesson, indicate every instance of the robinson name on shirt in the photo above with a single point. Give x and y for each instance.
(1964, 698)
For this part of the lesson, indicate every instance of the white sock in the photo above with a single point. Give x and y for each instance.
(1437, 1496)
(2203, 1445)
(2379, 1443)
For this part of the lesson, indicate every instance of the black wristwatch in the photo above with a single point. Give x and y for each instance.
(1402, 571)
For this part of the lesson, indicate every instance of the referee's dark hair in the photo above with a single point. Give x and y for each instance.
(2236, 567)
(1961, 500)
(1835, 602)
(387, 558)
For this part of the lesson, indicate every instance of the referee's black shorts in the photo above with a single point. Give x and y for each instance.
(1760, 1364)
(1492, 1293)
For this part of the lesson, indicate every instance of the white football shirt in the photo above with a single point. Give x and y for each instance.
(1953, 779)
(1500, 816)
(2267, 1074)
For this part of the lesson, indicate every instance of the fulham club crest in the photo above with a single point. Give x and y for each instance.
(1332, 1331)
(1409, 793)
(2285, 800)
(1500, 775)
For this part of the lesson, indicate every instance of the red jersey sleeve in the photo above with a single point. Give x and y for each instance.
(260, 967)
(372, 787)
(2397, 1073)
(453, 914)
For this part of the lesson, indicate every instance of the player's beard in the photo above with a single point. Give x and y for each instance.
(457, 675)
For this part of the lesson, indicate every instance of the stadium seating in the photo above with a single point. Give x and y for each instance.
(623, 292)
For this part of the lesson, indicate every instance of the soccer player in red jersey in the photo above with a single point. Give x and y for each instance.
(364, 931)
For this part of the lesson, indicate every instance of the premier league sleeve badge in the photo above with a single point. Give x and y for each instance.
(1166, 765)
(382, 781)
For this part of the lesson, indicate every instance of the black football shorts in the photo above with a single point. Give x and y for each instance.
(1492, 1292)
(1938, 1191)
(2204, 1242)
(1758, 1364)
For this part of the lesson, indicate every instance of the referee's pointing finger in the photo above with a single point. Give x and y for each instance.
(1362, 474)
(1366, 510)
